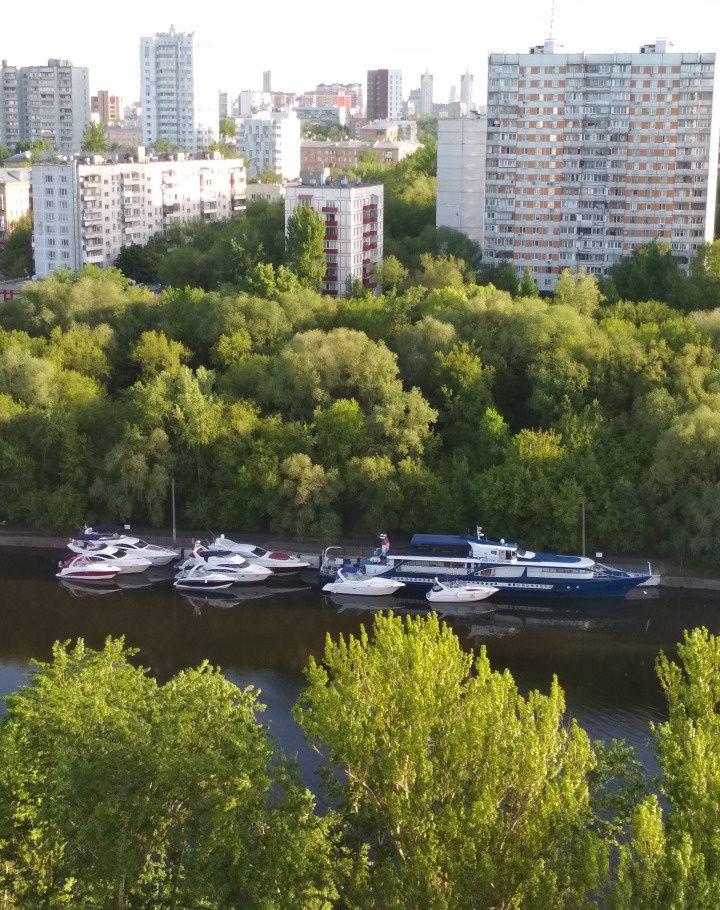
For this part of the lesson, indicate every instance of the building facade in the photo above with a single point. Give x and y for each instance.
(315, 155)
(50, 103)
(270, 140)
(590, 156)
(466, 89)
(426, 95)
(353, 217)
(106, 107)
(461, 175)
(87, 212)
(14, 198)
(384, 95)
(179, 103)
(385, 130)
(353, 90)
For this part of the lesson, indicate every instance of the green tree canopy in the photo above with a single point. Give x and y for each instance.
(306, 246)
(95, 139)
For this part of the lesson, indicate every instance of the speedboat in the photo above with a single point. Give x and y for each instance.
(520, 574)
(127, 562)
(200, 578)
(87, 569)
(280, 563)
(459, 593)
(359, 584)
(242, 571)
(91, 540)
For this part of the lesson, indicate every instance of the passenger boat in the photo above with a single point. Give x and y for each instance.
(239, 568)
(357, 583)
(519, 574)
(92, 540)
(280, 563)
(459, 592)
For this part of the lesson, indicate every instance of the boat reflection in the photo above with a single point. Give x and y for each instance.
(234, 597)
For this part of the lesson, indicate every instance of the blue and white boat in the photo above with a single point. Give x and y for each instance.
(519, 574)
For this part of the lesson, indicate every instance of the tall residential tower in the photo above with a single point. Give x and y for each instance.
(590, 156)
(179, 102)
(384, 95)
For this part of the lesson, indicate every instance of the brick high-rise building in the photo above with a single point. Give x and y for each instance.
(384, 95)
(107, 107)
(590, 156)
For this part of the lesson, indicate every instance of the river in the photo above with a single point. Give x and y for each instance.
(603, 655)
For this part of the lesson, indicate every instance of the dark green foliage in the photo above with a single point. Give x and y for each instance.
(16, 257)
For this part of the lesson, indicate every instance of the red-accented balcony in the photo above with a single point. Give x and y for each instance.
(329, 208)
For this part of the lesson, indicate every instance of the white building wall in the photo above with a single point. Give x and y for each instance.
(270, 139)
(354, 231)
(86, 213)
(594, 155)
(395, 98)
(461, 175)
(426, 94)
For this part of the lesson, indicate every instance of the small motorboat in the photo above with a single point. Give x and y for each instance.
(242, 571)
(86, 569)
(200, 578)
(280, 563)
(460, 593)
(92, 540)
(359, 584)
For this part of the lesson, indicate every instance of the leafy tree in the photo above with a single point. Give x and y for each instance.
(95, 139)
(305, 246)
(16, 257)
(577, 290)
(117, 791)
(155, 353)
(142, 262)
(5, 153)
(441, 272)
(528, 286)
(673, 858)
(454, 790)
(269, 175)
(227, 129)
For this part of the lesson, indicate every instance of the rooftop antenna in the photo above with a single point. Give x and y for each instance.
(552, 19)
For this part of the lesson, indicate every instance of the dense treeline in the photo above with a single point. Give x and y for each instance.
(445, 788)
(436, 406)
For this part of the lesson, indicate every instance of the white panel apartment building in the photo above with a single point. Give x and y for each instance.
(87, 212)
(592, 155)
(179, 101)
(270, 139)
(44, 102)
(461, 175)
(353, 218)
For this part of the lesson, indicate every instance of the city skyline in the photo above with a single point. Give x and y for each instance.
(446, 49)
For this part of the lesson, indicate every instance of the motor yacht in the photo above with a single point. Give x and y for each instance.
(459, 593)
(356, 583)
(241, 569)
(91, 540)
(280, 563)
(199, 577)
(87, 569)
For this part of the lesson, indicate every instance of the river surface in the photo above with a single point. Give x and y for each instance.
(603, 655)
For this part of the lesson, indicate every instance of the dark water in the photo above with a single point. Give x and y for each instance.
(603, 655)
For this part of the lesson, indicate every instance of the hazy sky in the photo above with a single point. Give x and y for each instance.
(307, 42)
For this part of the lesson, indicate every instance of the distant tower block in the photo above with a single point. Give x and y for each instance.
(267, 81)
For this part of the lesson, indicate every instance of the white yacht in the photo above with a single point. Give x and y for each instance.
(92, 540)
(242, 571)
(357, 583)
(280, 563)
(198, 577)
(459, 593)
(128, 562)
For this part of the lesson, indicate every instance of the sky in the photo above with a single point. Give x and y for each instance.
(304, 43)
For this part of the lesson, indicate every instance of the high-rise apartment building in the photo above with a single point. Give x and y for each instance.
(461, 175)
(9, 115)
(270, 140)
(592, 155)
(107, 107)
(179, 101)
(384, 95)
(426, 94)
(86, 213)
(267, 80)
(50, 103)
(353, 217)
(466, 89)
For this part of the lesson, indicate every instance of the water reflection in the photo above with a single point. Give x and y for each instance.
(602, 654)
